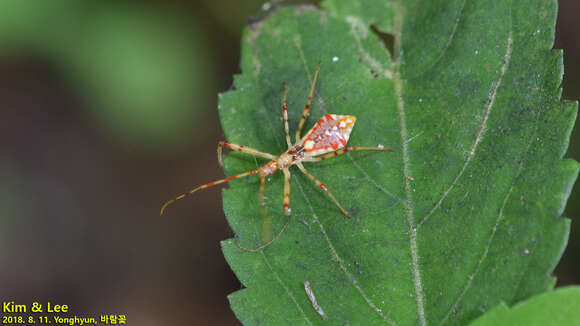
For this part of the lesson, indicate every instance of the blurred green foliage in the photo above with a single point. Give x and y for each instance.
(145, 73)
(233, 23)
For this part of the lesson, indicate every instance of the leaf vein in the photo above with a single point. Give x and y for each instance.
(534, 243)
(481, 259)
(371, 180)
(416, 269)
(449, 40)
(480, 132)
(500, 215)
(286, 288)
(341, 264)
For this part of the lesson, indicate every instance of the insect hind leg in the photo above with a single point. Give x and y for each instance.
(266, 239)
(285, 116)
(264, 246)
(323, 187)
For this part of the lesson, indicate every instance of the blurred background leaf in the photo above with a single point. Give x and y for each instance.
(146, 74)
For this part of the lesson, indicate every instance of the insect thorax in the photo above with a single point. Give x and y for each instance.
(294, 154)
(268, 168)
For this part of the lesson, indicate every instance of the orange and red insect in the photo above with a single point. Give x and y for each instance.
(325, 140)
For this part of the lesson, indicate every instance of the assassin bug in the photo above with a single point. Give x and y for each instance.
(327, 139)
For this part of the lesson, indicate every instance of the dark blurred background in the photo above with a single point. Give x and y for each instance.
(107, 110)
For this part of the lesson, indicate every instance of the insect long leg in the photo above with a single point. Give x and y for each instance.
(262, 247)
(286, 201)
(266, 238)
(345, 150)
(306, 110)
(243, 149)
(285, 115)
(323, 187)
(207, 185)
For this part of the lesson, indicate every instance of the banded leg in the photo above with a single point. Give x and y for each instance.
(207, 185)
(243, 149)
(345, 150)
(323, 187)
(286, 201)
(285, 115)
(306, 111)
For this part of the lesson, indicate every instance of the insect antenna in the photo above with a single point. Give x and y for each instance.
(207, 185)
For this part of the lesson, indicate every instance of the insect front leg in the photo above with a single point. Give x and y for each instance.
(306, 110)
(207, 185)
(243, 149)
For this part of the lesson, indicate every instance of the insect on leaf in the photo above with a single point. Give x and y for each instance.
(465, 213)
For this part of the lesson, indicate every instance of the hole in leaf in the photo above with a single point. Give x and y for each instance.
(388, 40)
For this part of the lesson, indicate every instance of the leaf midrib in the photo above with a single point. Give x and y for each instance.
(416, 269)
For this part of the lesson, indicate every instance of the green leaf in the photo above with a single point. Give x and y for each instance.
(558, 307)
(462, 215)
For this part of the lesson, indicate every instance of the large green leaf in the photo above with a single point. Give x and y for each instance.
(462, 215)
(556, 308)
